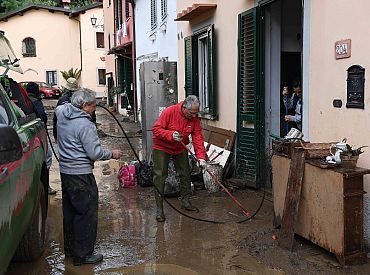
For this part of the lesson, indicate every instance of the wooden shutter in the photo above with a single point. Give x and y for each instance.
(188, 65)
(250, 133)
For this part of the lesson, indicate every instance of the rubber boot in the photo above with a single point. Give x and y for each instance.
(159, 202)
(186, 204)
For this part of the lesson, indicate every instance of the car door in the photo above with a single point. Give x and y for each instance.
(16, 181)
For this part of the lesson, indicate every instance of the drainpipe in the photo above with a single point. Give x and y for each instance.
(134, 61)
(79, 28)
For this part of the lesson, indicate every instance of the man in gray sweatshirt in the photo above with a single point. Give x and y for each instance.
(79, 147)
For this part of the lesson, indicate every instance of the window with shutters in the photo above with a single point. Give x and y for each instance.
(127, 8)
(51, 77)
(29, 47)
(153, 14)
(163, 9)
(118, 13)
(199, 71)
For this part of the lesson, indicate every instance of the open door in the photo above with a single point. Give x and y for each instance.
(250, 107)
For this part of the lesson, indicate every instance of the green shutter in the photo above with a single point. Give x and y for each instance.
(211, 72)
(250, 128)
(188, 65)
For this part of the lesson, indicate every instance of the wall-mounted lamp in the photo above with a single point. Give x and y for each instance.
(94, 23)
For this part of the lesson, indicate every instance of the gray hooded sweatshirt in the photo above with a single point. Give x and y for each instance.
(78, 142)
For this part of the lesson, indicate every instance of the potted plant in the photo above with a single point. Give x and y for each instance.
(349, 156)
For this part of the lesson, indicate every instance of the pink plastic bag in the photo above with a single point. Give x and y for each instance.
(127, 175)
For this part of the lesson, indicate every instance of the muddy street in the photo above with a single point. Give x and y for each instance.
(132, 242)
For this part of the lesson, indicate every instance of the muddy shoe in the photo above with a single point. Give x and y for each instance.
(186, 204)
(90, 259)
(160, 216)
(51, 191)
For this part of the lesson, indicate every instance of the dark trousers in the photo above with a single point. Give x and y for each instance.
(160, 169)
(80, 213)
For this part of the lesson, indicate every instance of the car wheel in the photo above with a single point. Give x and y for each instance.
(42, 96)
(32, 244)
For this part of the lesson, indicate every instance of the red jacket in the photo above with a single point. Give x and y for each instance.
(172, 119)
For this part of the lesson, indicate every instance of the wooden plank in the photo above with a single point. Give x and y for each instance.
(219, 137)
(292, 198)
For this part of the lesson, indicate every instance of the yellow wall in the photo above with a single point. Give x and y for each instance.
(331, 22)
(109, 34)
(57, 45)
(225, 20)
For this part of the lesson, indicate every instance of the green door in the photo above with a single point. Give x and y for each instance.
(125, 78)
(250, 107)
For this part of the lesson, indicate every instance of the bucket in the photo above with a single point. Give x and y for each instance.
(211, 182)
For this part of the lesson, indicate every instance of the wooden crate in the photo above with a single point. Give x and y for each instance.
(313, 150)
(285, 148)
(317, 150)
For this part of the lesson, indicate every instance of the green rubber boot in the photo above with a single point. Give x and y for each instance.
(186, 204)
(159, 202)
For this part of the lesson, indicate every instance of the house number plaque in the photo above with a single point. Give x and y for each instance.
(343, 49)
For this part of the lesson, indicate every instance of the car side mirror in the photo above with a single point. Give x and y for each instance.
(10, 145)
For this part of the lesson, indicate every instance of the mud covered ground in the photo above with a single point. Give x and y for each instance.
(132, 242)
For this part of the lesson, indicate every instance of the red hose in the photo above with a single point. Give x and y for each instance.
(245, 212)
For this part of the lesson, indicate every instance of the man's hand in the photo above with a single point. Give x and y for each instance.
(116, 154)
(202, 163)
(285, 91)
(177, 136)
(289, 118)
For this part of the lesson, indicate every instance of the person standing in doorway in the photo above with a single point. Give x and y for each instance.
(170, 132)
(79, 147)
(294, 103)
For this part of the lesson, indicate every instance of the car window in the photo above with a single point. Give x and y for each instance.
(4, 118)
(44, 85)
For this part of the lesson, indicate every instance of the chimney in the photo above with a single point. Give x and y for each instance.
(66, 3)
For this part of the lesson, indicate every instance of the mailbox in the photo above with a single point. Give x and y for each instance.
(355, 87)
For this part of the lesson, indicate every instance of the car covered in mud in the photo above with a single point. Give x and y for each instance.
(23, 172)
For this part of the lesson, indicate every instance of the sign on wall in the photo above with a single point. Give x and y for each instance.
(342, 49)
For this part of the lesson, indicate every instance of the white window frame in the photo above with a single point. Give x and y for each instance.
(97, 76)
(47, 76)
(96, 40)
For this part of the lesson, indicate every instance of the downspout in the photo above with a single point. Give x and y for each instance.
(79, 28)
(134, 62)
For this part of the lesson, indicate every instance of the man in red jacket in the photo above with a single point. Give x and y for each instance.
(176, 124)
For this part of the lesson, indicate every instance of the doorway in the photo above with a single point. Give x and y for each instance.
(273, 61)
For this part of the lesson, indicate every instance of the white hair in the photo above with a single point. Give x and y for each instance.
(82, 96)
(191, 101)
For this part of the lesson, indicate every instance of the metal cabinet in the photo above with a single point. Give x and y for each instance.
(158, 83)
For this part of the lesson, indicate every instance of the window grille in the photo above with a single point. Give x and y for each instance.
(163, 9)
(29, 47)
(153, 14)
(51, 77)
